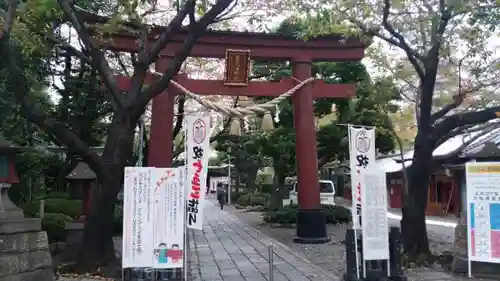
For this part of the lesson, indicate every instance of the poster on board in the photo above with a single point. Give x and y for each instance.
(197, 155)
(137, 246)
(483, 211)
(375, 224)
(168, 216)
(361, 160)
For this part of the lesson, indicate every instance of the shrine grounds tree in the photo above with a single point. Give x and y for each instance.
(16, 47)
(441, 58)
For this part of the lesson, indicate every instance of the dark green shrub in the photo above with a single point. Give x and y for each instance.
(257, 200)
(288, 214)
(54, 224)
(57, 194)
(337, 214)
(244, 200)
(266, 188)
(68, 207)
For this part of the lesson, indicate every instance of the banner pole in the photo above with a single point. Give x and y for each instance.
(185, 263)
(353, 208)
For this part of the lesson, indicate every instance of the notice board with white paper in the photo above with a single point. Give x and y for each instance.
(375, 224)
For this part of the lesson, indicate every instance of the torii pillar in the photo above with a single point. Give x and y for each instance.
(311, 225)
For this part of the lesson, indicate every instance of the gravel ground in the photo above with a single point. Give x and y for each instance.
(331, 257)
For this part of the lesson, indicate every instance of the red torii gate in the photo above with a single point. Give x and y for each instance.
(311, 226)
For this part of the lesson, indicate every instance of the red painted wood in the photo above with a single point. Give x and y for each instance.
(254, 89)
(161, 144)
(303, 121)
(213, 44)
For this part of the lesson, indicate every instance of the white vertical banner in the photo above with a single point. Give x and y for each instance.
(361, 160)
(375, 224)
(197, 155)
(168, 207)
(137, 245)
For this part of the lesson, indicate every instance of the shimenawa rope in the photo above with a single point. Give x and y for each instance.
(241, 111)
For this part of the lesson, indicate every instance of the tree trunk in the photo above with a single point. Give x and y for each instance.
(414, 230)
(250, 179)
(277, 189)
(97, 248)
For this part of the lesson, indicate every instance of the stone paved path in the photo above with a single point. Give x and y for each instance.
(229, 250)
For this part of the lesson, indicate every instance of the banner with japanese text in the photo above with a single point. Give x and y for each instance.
(375, 225)
(137, 245)
(361, 160)
(197, 154)
(168, 217)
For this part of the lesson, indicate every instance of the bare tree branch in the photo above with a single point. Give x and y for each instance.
(410, 53)
(180, 116)
(465, 118)
(437, 37)
(145, 58)
(97, 56)
(196, 31)
(483, 130)
(467, 129)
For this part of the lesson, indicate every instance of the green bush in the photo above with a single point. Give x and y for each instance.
(244, 200)
(266, 188)
(57, 194)
(54, 224)
(68, 207)
(258, 200)
(288, 214)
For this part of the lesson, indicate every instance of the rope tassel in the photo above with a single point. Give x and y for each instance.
(267, 122)
(235, 128)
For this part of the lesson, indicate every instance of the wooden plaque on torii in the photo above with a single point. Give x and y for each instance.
(237, 67)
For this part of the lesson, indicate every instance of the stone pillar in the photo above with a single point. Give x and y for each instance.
(311, 224)
(24, 248)
(162, 116)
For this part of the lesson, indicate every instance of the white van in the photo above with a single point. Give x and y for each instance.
(326, 193)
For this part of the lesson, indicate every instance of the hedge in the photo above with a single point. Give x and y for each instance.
(71, 209)
(68, 207)
(54, 224)
(257, 199)
(288, 214)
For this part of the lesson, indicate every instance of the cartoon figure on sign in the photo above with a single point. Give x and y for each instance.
(162, 253)
(174, 253)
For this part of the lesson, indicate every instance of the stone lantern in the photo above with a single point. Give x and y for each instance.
(8, 176)
(23, 245)
(81, 179)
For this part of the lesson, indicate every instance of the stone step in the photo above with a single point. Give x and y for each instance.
(20, 226)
